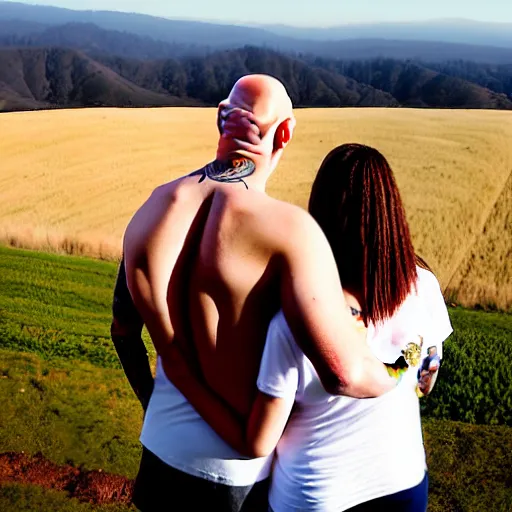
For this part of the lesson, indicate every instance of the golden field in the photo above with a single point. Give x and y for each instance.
(70, 180)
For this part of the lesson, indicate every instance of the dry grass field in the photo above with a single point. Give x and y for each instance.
(70, 180)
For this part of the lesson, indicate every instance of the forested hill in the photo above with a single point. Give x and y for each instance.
(454, 84)
(32, 78)
(48, 78)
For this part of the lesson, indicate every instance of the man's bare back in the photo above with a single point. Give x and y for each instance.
(239, 255)
(234, 272)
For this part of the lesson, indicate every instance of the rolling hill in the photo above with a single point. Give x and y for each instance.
(135, 60)
(416, 85)
(210, 78)
(54, 77)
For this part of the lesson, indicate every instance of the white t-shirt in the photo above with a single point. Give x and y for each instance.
(337, 452)
(179, 436)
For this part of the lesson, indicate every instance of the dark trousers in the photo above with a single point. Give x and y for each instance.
(410, 500)
(159, 487)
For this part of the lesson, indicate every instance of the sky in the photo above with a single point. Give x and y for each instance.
(302, 12)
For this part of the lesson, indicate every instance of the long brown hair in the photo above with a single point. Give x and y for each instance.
(356, 202)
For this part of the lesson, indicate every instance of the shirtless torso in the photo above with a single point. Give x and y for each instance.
(228, 239)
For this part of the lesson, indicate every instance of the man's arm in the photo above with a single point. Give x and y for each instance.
(315, 309)
(126, 330)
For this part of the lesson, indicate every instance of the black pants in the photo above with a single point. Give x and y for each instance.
(159, 487)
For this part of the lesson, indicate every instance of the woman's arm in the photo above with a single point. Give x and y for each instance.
(256, 437)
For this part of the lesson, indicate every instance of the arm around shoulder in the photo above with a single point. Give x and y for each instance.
(315, 309)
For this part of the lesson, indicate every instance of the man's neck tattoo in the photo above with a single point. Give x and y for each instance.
(231, 171)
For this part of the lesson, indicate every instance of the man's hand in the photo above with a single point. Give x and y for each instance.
(261, 146)
(236, 123)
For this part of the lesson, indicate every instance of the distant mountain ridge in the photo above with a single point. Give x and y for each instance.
(482, 42)
(92, 39)
(163, 29)
(461, 31)
(33, 78)
(54, 57)
(458, 31)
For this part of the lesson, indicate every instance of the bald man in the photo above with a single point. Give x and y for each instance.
(209, 259)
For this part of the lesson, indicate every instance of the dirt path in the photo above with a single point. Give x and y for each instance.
(91, 486)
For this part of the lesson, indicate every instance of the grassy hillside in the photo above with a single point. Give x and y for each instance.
(30, 498)
(65, 397)
(56, 306)
(75, 413)
(71, 180)
(476, 375)
(59, 307)
(69, 411)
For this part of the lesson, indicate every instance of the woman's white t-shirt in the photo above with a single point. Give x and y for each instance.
(337, 452)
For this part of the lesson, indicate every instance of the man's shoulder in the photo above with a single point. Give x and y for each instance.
(152, 213)
(298, 221)
(175, 190)
(288, 228)
(278, 216)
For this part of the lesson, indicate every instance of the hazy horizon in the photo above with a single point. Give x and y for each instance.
(300, 14)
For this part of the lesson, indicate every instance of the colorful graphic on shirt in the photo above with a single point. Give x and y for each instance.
(412, 352)
(428, 367)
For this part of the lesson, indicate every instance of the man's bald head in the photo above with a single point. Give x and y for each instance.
(263, 96)
(260, 112)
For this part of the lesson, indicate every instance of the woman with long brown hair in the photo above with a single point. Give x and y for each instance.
(339, 453)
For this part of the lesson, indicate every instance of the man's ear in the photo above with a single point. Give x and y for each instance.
(218, 118)
(222, 105)
(284, 134)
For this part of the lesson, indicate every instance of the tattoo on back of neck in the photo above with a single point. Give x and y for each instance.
(231, 171)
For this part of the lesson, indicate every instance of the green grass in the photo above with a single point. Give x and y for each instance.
(475, 380)
(60, 307)
(71, 412)
(470, 467)
(84, 415)
(63, 394)
(57, 306)
(68, 294)
(30, 498)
